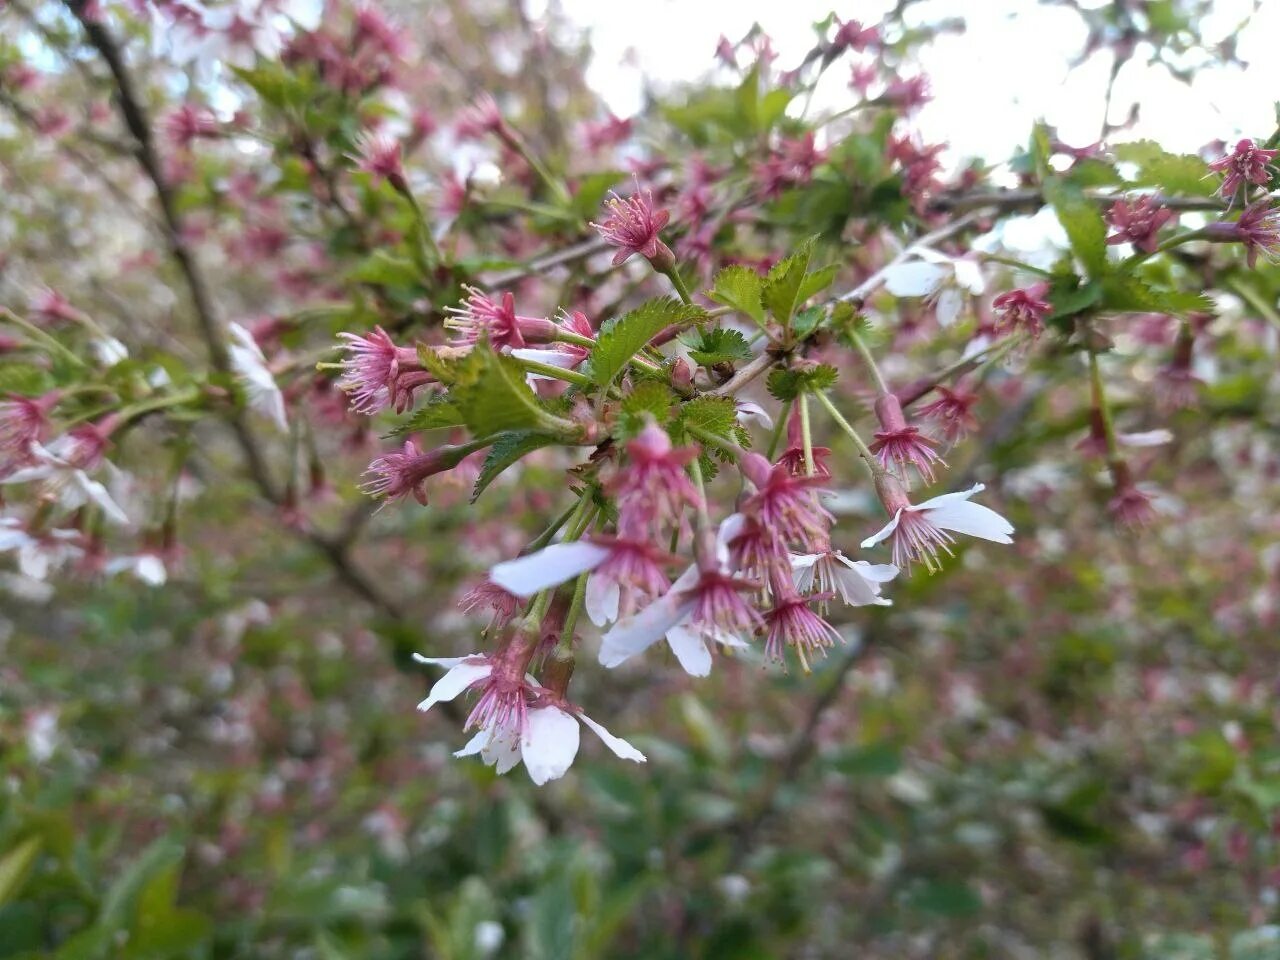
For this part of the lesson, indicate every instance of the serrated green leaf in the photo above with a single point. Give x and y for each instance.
(814, 282)
(1068, 296)
(622, 338)
(740, 287)
(1083, 223)
(492, 396)
(717, 415)
(789, 384)
(783, 284)
(508, 449)
(1124, 292)
(720, 345)
(437, 413)
(1176, 173)
(23, 378)
(648, 399)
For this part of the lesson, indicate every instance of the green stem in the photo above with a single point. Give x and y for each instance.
(35, 333)
(806, 435)
(564, 649)
(863, 450)
(554, 372)
(1104, 408)
(1255, 300)
(673, 274)
(860, 345)
(720, 443)
(546, 536)
(1175, 241)
(517, 143)
(430, 252)
(704, 518)
(138, 410)
(780, 428)
(1016, 264)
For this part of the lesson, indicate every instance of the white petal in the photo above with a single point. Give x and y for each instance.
(96, 492)
(458, 679)
(502, 752)
(553, 358)
(873, 572)
(637, 633)
(603, 594)
(915, 279)
(619, 746)
(548, 567)
(963, 516)
(950, 304)
(1148, 438)
(550, 743)
(447, 662)
(803, 569)
(475, 744)
(884, 534)
(729, 530)
(969, 275)
(748, 410)
(857, 591)
(690, 649)
(943, 499)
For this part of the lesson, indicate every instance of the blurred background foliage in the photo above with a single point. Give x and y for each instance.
(1065, 748)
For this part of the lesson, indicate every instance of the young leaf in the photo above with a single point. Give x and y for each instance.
(720, 345)
(621, 339)
(789, 384)
(508, 449)
(1083, 224)
(1180, 173)
(782, 286)
(438, 412)
(740, 287)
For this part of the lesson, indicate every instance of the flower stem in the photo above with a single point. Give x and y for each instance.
(35, 333)
(1104, 408)
(806, 435)
(1016, 264)
(554, 372)
(720, 443)
(780, 429)
(863, 450)
(672, 273)
(861, 346)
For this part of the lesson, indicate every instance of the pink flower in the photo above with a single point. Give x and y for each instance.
(50, 306)
(394, 476)
(1247, 163)
(379, 154)
(503, 604)
(377, 374)
(1258, 228)
(792, 623)
(23, 421)
(189, 123)
(919, 532)
(832, 574)
(1021, 310)
(482, 318)
(785, 505)
(482, 117)
(793, 457)
(725, 52)
(633, 226)
(1129, 505)
(1176, 386)
(760, 554)
(900, 445)
(1138, 222)
(652, 488)
(851, 35)
(953, 412)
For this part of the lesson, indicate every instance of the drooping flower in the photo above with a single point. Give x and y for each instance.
(707, 603)
(651, 488)
(792, 623)
(62, 469)
(189, 123)
(254, 376)
(39, 553)
(24, 421)
(1258, 228)
(899, 444)
(919, 532)
(378, 374)
(1176, 386)
(49, 306)
(1138, 222)
(851, 35)
(481, 317)
(633, 225)
(482, 117)
(623, 572)
(952, 412)
(379, 155)
(856, 582)
(1247, 163)
(516, 719)
(1021, 310)
(793, 458)
(561, 354)
(944, 282)
(784, 504)
(503, 604)
(395, 475)
(1129, 504)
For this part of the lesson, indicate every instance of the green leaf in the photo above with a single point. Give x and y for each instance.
(814, 282)
(1083, 224)
(623, 337)
(508, 449)
(740, 287)
(1068, 296)
(783, 285)
(717, 415)
(437, 413)
(648, 399)
(161, 855)
(1176, 173)
(385, 270)
(719, 345)
(590, 190)
(492, 396)
(789, 384)
(15, 866)
(23, 378)
(771, 108)
(1124, 292)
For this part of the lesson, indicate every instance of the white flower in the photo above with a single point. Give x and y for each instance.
(109, 351)
(38, 557)
(671, 616)
(66, 483)
(748, 410)
(146, 567)
(548, 567)
(920, 530)
(548, 742)
(943, 281)
(856, 582)
(250, 368)
(1146, 438)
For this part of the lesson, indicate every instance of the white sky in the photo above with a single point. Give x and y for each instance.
(990, 83)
